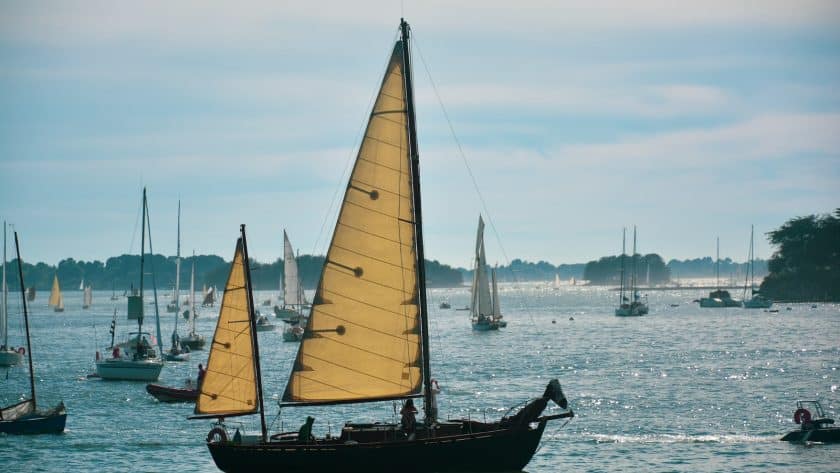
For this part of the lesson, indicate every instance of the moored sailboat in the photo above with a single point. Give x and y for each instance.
(175, 304)
(24, 417)
(719, 297)
(635, 306)
(135, 359)
(9, 356)
(367, 336)
(757, 300)
(192, 340)
(482, 306)
(295, 304)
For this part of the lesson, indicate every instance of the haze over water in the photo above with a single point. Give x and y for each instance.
(681, 389)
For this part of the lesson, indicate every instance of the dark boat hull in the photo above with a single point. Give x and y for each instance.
(35, 424)
(823, 435)
(167, 394)
(496, 450)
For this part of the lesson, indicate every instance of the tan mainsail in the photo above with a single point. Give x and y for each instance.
(55, 295)
(362, 341)
(229, 386)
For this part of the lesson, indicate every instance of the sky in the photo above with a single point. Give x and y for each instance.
(575, 119)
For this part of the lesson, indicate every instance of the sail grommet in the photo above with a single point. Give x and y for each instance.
(341, 330)
(374, 194)
(358, 271)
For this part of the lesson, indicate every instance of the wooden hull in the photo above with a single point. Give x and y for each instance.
(167, 394)
(497, 450)
(35, 424)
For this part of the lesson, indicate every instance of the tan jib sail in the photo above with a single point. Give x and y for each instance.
(55, 295)
(229, 386)
(362, 341)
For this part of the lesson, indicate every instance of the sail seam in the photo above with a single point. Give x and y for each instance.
(398, 146)
(364, 327)
(376, 163)
(396, 242)
(371, 257)
(387, 381)
(371, 210)
(364, 303)
(370, 281)
(402, 363)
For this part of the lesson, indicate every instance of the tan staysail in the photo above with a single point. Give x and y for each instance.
(362, 341)
(55, 295)
(230, 386)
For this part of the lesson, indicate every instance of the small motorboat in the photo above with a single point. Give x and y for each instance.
(815, 426)
(263, 324)
(188, 393)
(445, 305)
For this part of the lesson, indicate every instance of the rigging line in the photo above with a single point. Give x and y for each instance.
(353, 151)
(470, 172)
(134, 233)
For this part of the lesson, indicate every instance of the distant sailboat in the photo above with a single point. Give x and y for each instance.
(209, 297)
(135, 359)
(295, 305)
(634, 307)
(497, 311)
(193, 340)
(556, 286)
(9, 356)
(24, 417)
(756, 300)
(88, 298)
(114, 296)
(82, 285)
(481, 308)
(718, 297)
(175, 304)
(56, 299)
(30, 294)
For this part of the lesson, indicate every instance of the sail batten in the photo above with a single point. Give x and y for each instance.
(362, 341)
(230, 385)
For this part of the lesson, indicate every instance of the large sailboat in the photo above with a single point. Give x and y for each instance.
(635, 306)
(757, 299)
(9, 356)
(481, 308)
(367, 337)
(56, 299)
(136, 358)
(719, 297)
(295, 304)
(24, 417)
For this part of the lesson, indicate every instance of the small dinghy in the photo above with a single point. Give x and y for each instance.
(169, 394)
(815, 426)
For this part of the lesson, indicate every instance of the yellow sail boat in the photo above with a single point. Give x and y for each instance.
(367, 336)
(56, 299)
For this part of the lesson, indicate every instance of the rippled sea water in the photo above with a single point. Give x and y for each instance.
(681, 389)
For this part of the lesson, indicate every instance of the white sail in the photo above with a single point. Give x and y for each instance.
(82, 285)
(556, 281)
(292, 289)
(481, 304)
(88, 299)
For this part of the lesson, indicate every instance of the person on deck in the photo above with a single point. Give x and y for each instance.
(408, 422)
(201, 373)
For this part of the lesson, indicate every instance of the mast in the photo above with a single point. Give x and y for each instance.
(192, 296)
(633, 279)
(254, 338)
(178, 267)
(142, 257)
(418, 219)
(623, 252)
(154, 283)
(5, 290)
(26, 322)
(752, 258)
(717, 263)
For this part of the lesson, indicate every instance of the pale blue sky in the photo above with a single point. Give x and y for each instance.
(577, 118)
